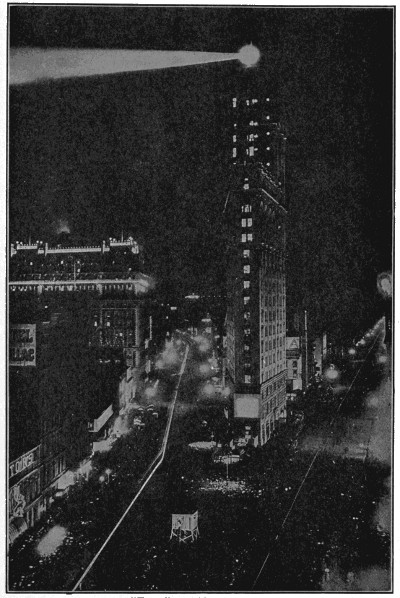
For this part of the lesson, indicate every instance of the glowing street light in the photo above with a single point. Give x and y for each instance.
(384, 283)
(332, 374)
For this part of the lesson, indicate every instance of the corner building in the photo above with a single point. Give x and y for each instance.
(256, 291)
(76, 321)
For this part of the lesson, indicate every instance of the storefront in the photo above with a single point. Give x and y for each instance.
(24, 493)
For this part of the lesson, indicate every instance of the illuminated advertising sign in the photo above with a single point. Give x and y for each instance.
(29, 459)
(23, 493)
(247, 406)
(292, 347)
(22, 345)
(17, 502)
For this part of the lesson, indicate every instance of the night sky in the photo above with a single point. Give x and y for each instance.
(147, 153)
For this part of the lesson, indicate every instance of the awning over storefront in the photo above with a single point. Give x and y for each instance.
(67, 479)
(98, 423)
(17, 526)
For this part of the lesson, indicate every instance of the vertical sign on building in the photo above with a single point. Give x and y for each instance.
(22, 345)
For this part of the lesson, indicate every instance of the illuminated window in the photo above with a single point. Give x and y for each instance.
(244, 238)
(246, 300)
(246, 331)
(246, 315)
(251, 150)
(234, 139)
(246, 253)
(250, 237)
(246, 186)
(246, 208)
(268, 133)
(234, 152)
(246, 269)
(246, 284)
(234, 102)
(247, 379)
(249, 222)
(244, 222)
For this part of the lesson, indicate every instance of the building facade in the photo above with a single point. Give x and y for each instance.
(294, 365)
(74, 330)
(256, 310)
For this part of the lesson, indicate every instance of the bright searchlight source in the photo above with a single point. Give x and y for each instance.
(249, 55)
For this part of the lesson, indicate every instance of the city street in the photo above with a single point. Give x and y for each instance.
(199, 322)
(256, 528)
(54, 554)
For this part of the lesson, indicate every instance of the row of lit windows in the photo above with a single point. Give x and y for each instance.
(249, 152)
(275, 297)
(273, 387)
(272, 300)
(273, 358)
(250, 137)
(246, 222)
(272, 329)
(247, 237)
(248, 102)
(274, 402)
(273, 343)
(274, 314)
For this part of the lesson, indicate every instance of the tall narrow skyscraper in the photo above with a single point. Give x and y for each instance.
(256, 313)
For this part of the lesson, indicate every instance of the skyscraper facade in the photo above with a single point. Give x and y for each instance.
(256, 291)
